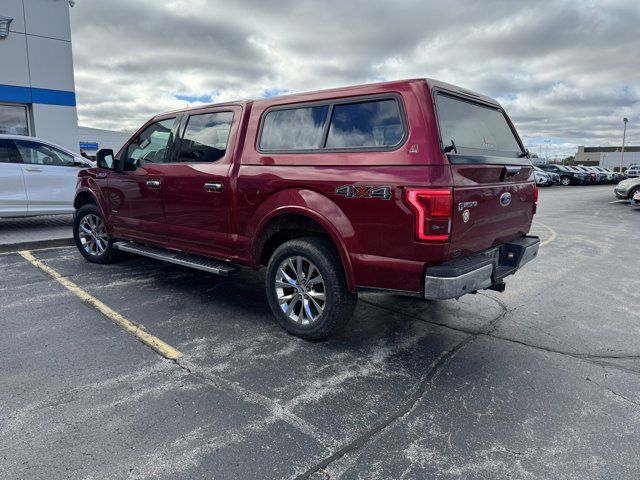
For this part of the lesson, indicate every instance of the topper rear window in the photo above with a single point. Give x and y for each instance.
(474, 129)
(344, 125)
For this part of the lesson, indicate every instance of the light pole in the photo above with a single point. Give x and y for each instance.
(546, 154)
(624, 137)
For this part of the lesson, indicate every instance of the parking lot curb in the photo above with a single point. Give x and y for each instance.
(35, 245)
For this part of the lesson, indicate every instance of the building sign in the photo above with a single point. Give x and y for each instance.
(4, 26)
(89, 145)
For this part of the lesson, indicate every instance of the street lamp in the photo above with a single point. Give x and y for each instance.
(624, 137)
(546, 154)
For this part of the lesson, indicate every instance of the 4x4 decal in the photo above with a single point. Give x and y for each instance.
(364, 191)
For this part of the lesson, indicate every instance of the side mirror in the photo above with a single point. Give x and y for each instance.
(104, 159)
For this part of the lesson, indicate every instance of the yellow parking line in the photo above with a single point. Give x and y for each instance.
(156, 344)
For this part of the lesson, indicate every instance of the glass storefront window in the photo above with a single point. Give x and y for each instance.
(14, 120)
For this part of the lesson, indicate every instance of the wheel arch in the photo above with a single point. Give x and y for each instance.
(83, 198)
(294, 221)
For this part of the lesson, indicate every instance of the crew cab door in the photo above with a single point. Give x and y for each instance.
(13, 195)
(493, 186)
(50, 177)
(197, 192)
(135, 195)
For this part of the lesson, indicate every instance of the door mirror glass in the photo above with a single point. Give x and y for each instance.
(104, 158)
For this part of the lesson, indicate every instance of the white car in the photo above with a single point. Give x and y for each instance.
(633, 172)
(37, 177)
(541, 177)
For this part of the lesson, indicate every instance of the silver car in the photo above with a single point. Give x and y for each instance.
(626, 188)
(37, 177)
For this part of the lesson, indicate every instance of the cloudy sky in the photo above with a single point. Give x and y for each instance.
(567, 71)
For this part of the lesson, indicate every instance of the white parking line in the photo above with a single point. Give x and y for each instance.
(553, 233)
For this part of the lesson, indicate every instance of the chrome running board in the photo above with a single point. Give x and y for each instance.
(210, 265)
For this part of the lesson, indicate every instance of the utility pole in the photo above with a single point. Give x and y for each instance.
(624, 137)
(546, 155)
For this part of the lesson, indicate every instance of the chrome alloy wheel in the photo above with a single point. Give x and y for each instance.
(300, 290)
(93, 235)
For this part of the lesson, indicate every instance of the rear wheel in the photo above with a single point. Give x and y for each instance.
(307, 289)
(90, 235)
(565, 181)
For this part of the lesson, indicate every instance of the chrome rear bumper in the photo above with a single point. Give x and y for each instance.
(477, 272)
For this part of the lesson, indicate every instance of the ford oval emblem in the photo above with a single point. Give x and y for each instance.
(505, 199)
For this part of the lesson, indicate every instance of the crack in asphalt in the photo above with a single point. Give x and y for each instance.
(406, 407)
(578, 355)
(410, 402)
(613, 392)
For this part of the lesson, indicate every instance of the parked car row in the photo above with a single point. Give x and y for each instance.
(576, 175)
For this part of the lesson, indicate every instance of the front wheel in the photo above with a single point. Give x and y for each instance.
(307, 289)
(90, 235)
(565, 181)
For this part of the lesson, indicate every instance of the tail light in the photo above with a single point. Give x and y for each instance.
(432, 209)
(535, 198)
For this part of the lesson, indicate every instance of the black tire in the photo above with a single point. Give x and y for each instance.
(565, 181)
(339, 303)
(633, 192)
(109, 254)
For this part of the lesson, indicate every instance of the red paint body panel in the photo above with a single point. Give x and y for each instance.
(375, 237)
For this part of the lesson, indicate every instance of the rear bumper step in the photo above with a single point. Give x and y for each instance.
(179, 258)
(481, 271)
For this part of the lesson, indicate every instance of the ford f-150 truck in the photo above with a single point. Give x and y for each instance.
(416, 187)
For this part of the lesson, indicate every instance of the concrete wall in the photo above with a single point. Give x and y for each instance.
(36, 67)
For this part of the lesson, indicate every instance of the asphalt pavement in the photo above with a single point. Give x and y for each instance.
(541, 381)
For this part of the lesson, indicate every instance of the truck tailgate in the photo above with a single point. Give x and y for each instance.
(492, 204)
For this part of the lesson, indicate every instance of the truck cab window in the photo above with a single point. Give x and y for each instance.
(151, 146)
(205, 137)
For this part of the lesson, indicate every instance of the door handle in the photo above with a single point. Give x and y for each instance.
(153, 183)
(32, 169)
(509, 171)
(213, 186)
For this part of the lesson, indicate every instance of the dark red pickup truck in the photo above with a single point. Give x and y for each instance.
(414, 186)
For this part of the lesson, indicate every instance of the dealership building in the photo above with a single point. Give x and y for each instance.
(37, 91)
(610, 157)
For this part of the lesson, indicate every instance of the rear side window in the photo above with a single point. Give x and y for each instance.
(375, 124)
(366, 124)
(294, 128)
(6, 151)
(39, 154)
(205, 138)
(474, 127)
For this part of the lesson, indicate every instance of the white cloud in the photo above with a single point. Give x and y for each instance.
(565, 70)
